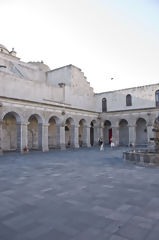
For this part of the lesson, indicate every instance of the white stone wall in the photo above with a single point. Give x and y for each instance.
(34, 82)
(80, 94)
(142, 97)
(59, 75)
(77, 90)
(13, 87)
(31, 89)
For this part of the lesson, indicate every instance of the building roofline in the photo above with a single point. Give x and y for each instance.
(69, 65)
(148, 85)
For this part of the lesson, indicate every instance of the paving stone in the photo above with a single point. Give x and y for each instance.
(132, 232)
(77, 194)
(116, 237)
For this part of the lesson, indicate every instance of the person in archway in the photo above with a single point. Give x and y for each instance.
(112, 144)
(100, 141)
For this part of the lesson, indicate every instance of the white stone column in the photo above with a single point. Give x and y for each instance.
(132, 135)
(150, 133)
(1, 138)
(45, 146)
(40, 133)
(100, 133)
(76, 136)
(19, 135)
(97, 132)
(60, 136)
(115, 135)
(24, 136)
(72, 136)
(87, 136)
(84, 136)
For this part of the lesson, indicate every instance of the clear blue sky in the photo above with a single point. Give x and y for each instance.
(105, 38)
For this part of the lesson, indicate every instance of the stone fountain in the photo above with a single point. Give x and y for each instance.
(148, 156)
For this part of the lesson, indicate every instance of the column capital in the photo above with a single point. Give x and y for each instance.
(115, 126)
(149, 124)
(25, 123)
(60, 124)
(77, 126)
(45, 124)
(132, 125)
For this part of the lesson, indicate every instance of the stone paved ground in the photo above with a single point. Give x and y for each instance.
(80, 194)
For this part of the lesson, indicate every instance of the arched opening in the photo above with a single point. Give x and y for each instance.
(104, 105)
(52, 133)
(107, 133)
(92, 133)
(11, 132)
(35, 132)
(69, 133)
(128, 100)
(123, 133)
(141, 132)
(82, 133)
(157, 98)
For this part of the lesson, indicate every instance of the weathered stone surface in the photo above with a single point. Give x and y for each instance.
(77, 194)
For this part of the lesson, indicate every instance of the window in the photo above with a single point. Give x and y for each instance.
(128, 100)
(157, 98)
(104, 105)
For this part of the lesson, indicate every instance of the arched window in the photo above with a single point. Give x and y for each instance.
(128, 100)
(104, 105)
(157, 98)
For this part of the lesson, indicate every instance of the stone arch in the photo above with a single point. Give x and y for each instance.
(69, 132)
(11, 131)
(141, 131)
(53, 124)
(107, 132)
(123, 132)
(35, 132)
(82, 137)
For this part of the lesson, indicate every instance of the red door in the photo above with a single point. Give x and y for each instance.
(110, 134)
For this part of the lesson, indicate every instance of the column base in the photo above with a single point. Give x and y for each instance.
(74, 146)
(86, 145)
(62, 147)
(45, 149)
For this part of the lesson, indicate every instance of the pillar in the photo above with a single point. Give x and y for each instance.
(100, 133)
(84, 136)
(18, 129)
(87, 136)
(115, 135)
(60, 136)
(24, 136)
(97, 132)
(150, 134)
(76, 136)
(40, 133)
(72, 136)
(45, 147)
(132, 135)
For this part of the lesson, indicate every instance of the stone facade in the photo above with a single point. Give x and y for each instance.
(46, 109)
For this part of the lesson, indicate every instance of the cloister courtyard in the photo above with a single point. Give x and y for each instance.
(80, 194)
